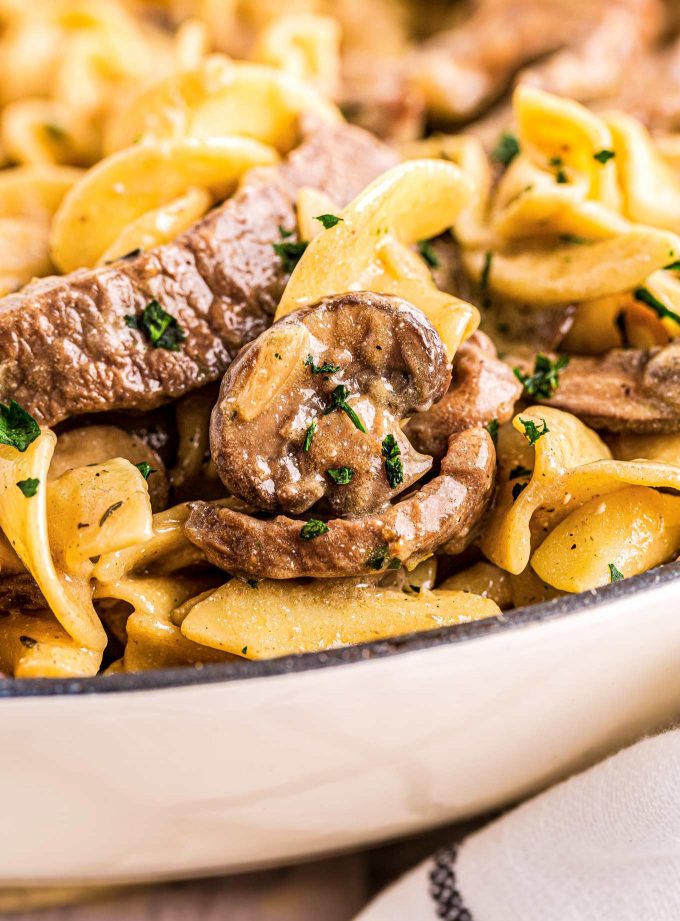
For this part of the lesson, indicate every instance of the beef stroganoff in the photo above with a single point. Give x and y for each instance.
(308, 340)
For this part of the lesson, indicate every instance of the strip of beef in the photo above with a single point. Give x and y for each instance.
(625, 390)
(483, 388)
(405, 533)
(65, 347)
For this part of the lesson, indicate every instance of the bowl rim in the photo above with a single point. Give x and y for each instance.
(216, 673)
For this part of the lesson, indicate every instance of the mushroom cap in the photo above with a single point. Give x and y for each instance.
(322, 391)
(443, 510)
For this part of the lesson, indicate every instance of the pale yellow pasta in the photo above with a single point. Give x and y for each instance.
(652, 447)
(40, 132)
(128, 184)
(418, 199)
(276, 619)
(483, 579)
(595, 328)
(35, 645)
(160, 225)
(571, 466)
(557, 275)
(309, 205)
(632, 530)
(91, 510)
(220, 98)
(305, 45)
(24, 252)
(651, 188)
(35, 192)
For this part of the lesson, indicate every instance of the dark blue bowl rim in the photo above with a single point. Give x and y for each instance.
(240, 671)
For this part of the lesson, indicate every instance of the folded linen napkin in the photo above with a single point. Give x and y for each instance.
(602, 846)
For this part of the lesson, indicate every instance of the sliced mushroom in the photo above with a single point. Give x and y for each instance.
(625, 390)
(483, 388)
(308, 410)
(95, 444)
(405, 533)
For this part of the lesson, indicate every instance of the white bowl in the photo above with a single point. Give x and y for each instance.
(184, 772)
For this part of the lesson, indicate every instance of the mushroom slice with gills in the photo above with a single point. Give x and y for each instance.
(405, 533)
(624, 390)
(483, 389)
(311, 409)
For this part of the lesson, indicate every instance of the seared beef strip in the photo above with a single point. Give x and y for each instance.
(625, 390)
(483, 388)
(407, 532)
(65, 347)
(279, 438)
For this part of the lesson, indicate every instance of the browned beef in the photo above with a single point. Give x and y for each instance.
(65, 348)
(447, 507)
(625, 390)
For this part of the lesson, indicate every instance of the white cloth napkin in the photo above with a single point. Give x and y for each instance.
(602, 846)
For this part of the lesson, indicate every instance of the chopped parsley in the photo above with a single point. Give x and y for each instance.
(519, 471)
(277, 355)
(604, 156)
(110, 510)
(341, 476)
(244, 651)
(394, 467)
(253, 583)
(160, 328)
(557, 164)
(28, 642)
(506, 149)
(645, 296)
(427, 251)
(517, 489)
(55, 132)
(492, 429)
(339, 401)
(673, 266)
(380, 559)
(533, 432)
(614, 574)
(29, 487)
(289, 251)
(573, 238)
(325, 368)
(145, 469)
(313, 528)
(18, 429)
(328, 220)
(484, 279)
(309, 434)
(546, 377)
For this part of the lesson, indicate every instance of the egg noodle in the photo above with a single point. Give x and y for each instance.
(122, 125)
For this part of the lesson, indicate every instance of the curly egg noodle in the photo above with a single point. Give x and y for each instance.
(118, 134)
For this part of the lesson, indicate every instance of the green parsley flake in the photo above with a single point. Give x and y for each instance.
(604, 156)
(492, 429)
(160, 328)
(380, 559)
(573, 238)
(427, 251)
(506, 149)
(110, 510)
(673, 266)
(55, 132)
(244, 651)
(18, 429)
(484, 279)
(560, 175)
(519, 471)
(394, 467)
(313, 528)
(339, 401)
(328, 220)
(533, 432)
(614, 574)
(546, 377)
(29, 487)
(645, 296)
(145, 469)
(341, 476)
(309, 434)
(290, 251)
(325, 368)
